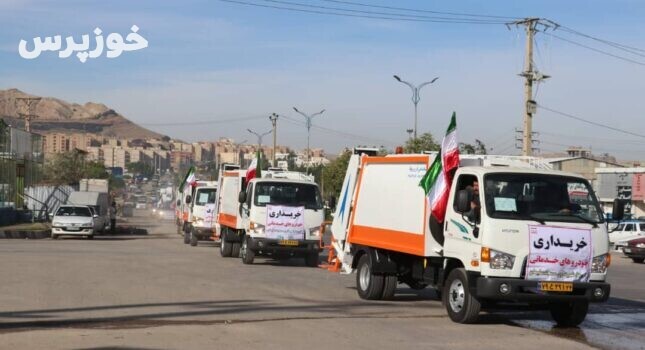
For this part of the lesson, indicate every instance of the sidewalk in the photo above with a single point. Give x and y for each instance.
(37, 230)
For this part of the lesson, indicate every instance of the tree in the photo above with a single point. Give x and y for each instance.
(425, 142)
(70, 167)
(140, 168)
(334, 174)
(478, 148)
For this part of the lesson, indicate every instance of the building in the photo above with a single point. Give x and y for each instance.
(582, 162)
(115, 157)
(180, 160)
(54, 143)
(627, 184)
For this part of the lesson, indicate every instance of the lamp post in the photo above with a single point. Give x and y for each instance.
(259, 136)
(308, 118)
(415, 96)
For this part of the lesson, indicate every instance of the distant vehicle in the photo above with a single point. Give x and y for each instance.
(99, 201)
(200, 225)
(624, 231)
(142, 202)
(635, 249)
(73, 220)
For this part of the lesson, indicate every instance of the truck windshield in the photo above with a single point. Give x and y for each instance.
(541, 198)
(285, 193)
(205, 196)
(73, 211)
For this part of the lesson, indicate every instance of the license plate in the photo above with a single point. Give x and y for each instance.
(565, 287)
(288, 242)
(627, 250)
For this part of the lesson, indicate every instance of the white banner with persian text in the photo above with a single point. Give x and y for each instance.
(285, 222)
(559, 254)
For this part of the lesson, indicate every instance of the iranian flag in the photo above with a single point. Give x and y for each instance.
(190, 178)
(255, 168)
(438, 179)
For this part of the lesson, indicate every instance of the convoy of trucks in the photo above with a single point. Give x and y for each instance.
(510, 234)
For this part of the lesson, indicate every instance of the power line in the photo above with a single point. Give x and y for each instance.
(626, 48)
(204, 122)
(595, 49)
(331, 13)
(418, 10)
(474, 20)
(337, 132)
(591, 122)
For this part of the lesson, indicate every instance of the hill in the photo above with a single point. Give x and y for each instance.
(55, 115)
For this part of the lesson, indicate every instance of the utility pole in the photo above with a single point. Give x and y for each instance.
(409, 131)
(274, 121)
(28, 104)
(259, 136)
(530, 75)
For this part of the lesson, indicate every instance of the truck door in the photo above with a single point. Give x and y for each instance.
(462, 231)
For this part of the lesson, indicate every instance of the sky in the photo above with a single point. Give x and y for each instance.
(233, 65)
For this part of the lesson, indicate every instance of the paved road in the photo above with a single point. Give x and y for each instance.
(154, 292)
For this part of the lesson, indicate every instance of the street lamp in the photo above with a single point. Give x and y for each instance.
(415, 96)
(259, 136)
(308, 118)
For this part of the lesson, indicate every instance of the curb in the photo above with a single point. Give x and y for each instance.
(25, 234)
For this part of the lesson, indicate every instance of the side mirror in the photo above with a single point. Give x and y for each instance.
(241, 197)
(618, 210)
(463, 201)
(188, 199)
(178, 203)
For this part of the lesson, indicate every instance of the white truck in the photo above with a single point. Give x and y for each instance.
(229, 226)
(99, 202)
(279, 215)
(198, 221)
(527, 243)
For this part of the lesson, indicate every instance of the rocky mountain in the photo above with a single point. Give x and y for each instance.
(55, 115)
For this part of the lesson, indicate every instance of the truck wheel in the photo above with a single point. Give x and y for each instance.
(569, 314)
(311, 259)
(235, 249)
(54, 236)
(461, 305)
(246, 253)
(638, 260)
(225, 247)
(389, 287)
(193, 239)
(368, 285)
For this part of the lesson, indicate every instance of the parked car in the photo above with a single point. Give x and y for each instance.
(635, 249)
(73, 220)
(625, 231)
(99, 201)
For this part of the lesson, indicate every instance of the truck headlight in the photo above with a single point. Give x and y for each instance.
(640, 245)
(500, 260)
(600, 263)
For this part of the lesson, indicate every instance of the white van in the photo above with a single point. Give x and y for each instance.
(99, 201)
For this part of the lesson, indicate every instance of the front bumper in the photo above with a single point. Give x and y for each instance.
(204, 233)
(525, 290)
(79, 232)
(633, 252)
(266, 245)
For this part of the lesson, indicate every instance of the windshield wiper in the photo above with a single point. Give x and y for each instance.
(534, 218)
(583, 218)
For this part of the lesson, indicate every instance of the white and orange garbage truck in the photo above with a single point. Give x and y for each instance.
(530, 241)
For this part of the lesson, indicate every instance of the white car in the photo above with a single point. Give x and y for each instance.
(625, 231)
(73, 220)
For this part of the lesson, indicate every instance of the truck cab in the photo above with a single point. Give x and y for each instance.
(282, 218)
(200, 223)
